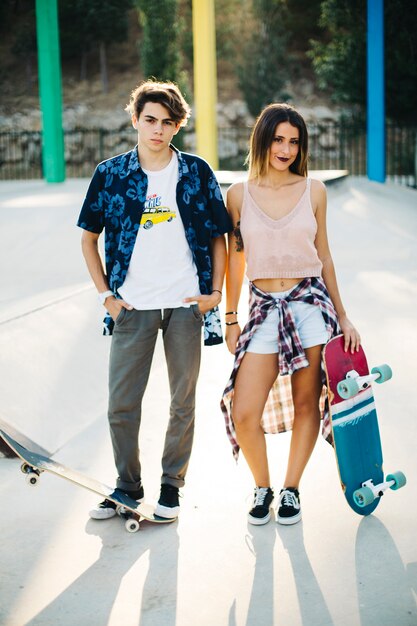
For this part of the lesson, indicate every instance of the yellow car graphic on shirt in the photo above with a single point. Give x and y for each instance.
(155, 215)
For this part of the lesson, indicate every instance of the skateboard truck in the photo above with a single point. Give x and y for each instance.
(35, 463)
(354, 422)
(132, 523)
(368, 492)
(32, 474)
(353, 383)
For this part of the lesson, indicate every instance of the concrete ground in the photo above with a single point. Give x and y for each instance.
(210, 568)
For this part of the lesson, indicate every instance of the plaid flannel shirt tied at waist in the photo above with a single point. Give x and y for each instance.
(279, 413)
(291, 356)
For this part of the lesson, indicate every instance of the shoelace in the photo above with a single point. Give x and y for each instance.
(289, 499)
(260, 495)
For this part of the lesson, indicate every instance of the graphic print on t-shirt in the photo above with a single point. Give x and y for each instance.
(161, 271)
(154, 212)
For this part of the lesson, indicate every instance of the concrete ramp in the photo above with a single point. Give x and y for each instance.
(53, 358)
(54, 369)
(6, 450)
(211, 567)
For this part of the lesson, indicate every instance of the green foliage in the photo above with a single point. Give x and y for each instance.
(24, 46)
(73, 30)
(92, 27)
(228, 14)
(159, 51)
(25, 42)
(401, 60)
(265, 41)
(8, 13)
(339, 56)
(19, 18)
(228, 32)
(264, 70)
(185, 30)
(84, 25)
(302, 23)
(340, 62)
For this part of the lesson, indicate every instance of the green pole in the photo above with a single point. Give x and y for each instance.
(50, 91)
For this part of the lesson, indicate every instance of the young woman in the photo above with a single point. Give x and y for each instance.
(279, 218)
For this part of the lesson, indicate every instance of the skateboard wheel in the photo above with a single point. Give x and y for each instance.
(132, 525)
(32, 479)
(347, 388)
(25, 468)
(363, 496)
(399, 480)
(384, 371)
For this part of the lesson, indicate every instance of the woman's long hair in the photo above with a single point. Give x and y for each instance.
(263, 134)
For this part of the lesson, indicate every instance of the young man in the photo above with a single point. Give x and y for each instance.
(164, 221)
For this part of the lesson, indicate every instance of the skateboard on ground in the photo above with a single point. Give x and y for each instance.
(354, 421)
(34, 464)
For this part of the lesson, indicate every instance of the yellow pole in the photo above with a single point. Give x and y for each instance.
(205, 80)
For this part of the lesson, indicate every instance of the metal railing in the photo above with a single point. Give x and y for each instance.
(332, 145)
(339, 146)
(401, 155)
(20, 155)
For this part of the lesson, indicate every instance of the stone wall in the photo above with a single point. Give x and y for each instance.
(93, 135)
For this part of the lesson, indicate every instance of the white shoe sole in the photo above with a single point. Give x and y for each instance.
(287, 521)
(102, 513)
(169, 512)
(259, 521)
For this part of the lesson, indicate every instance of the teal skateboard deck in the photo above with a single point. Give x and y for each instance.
(35, 463)
(354, 419)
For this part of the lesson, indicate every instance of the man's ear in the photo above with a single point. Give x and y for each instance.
(134, 122)
(177, 128)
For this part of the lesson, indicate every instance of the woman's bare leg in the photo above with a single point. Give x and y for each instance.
(254, 380)
(306, 390)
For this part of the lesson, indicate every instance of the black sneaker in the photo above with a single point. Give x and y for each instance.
(168, 504)
(260, 512)
(107, 508)
(289, 510)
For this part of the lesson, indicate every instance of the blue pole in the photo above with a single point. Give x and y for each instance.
(375, 92)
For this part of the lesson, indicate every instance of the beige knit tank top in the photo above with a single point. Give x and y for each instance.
(282, 248)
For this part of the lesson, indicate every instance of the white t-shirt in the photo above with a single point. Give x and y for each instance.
(161, 271)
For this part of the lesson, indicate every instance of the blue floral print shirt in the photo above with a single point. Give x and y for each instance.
(115, 202)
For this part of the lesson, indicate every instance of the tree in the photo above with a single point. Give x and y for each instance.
(25, 45)
(7, 13)
(108, 23)
(302, 23)
(264, 70)
(74, 36)
(340, 60)
(159, 51)
(92, 25)
(401, 60)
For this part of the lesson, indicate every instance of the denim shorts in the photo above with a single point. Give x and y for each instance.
(308, 320)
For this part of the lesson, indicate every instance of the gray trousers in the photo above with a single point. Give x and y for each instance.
(131, 353)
